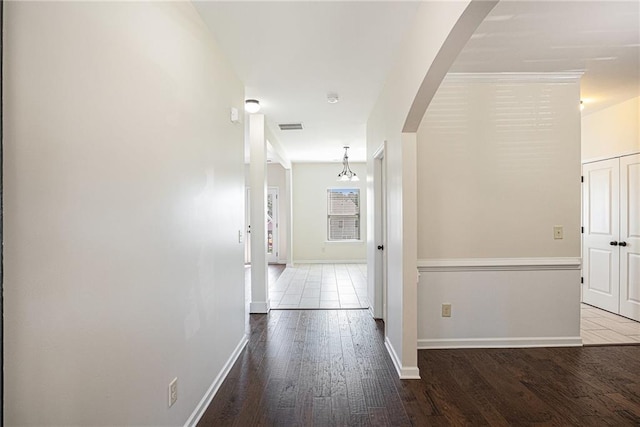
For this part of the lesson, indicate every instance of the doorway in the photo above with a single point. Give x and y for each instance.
(272, 225)
(273, 235)
(610, 313)
(611, 238)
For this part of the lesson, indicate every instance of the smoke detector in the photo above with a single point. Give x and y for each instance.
(332, 98)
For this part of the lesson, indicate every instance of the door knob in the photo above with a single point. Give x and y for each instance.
(614, 243)
(380, 247)
(622, 244)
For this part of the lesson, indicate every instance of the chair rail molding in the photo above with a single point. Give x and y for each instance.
(499, 264)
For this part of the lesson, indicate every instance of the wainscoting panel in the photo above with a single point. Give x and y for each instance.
(516, 302)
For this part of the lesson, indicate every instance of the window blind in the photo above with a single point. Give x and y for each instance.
(343, 214)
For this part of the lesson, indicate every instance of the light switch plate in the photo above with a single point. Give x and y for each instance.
(235, 115)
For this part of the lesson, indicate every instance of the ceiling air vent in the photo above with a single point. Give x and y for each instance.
(290, 126)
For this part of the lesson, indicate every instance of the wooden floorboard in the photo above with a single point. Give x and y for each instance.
(331, 368)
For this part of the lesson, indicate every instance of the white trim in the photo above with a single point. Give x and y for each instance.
(526, 342)
(499, 264)
(515, 77)
(408, 373)
(373, 314)
(330, 261)
(260, 307)
(346, 241)
(599, 159)
(215, 385)
(379, 153)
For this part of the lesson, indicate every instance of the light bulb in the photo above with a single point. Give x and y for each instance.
(251, 106)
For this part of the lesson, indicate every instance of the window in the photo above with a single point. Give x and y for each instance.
(343, 214)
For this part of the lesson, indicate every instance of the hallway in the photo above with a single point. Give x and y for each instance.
(330, 367)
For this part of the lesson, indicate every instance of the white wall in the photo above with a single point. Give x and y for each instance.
(612, 132)
(434, 39)
(123, 195)
(498, 168)
(525, 306)
(310, 184)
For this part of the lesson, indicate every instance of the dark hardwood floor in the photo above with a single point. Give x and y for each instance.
(330, 368)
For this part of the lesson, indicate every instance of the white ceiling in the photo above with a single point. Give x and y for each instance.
(290, 55)
(599, 38)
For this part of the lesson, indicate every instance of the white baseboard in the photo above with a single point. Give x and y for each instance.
(261, 307)
(450, 343)
(405, 373)
(215, 385)
(330, 261)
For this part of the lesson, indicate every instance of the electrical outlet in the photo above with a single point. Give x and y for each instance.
(173, 391)
(446, 310)
(558, 232)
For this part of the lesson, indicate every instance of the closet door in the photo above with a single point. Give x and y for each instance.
(630, 236)
(600, 253)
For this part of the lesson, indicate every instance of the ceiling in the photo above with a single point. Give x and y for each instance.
(599, 38)
(291, 55)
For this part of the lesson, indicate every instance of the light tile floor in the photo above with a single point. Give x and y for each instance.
(599, 327)
(320, 286)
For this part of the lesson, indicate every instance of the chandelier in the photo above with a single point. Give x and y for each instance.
(347, 174)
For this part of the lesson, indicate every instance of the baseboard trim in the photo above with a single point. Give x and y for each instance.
(261, 307)
(499, 264)
(373, 315)
(215, 385)
(526, 342)
(330, 261)
(405, 373)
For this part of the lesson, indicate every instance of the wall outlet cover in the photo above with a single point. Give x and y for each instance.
(446, 310)
(173, 391)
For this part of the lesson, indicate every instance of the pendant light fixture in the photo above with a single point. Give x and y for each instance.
(347, 174)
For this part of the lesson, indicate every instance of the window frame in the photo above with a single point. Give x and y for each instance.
(356, 216)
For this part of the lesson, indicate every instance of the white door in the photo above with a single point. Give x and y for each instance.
(600, 255)
(247, 227)
(629, 243)
(272, 225)
(383, 215)
(380, 235)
